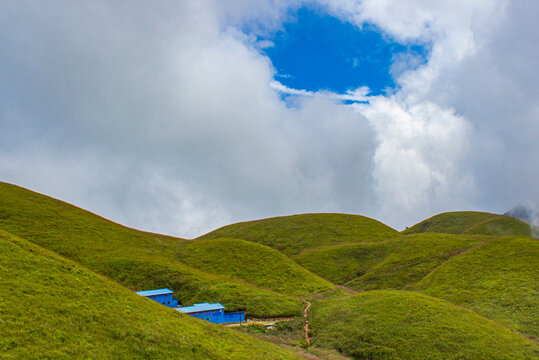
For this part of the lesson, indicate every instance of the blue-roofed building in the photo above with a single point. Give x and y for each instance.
(214, 313)
(162, 296)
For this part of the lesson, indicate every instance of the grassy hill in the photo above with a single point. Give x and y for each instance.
(498, 280)
(53, 308)
(342, 263)
(254, 263)
(406, 325)
(390, 264)
(471, 222)
(135, 259)
(501, 225)
(411, 258)
(293, 234)
(460, 268)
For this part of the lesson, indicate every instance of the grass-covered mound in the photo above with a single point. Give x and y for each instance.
(406, 325)
(501, 225)
(52, 308)
(342, 263)
(411, 258)
(472, 222)
(292, 234)
(135, 259)
(499, 280)
(254, 263)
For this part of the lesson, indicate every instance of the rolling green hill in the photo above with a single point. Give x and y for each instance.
(502, 225)
(475, 292)
(254, 263)
(411, 258)
(499, 280)
(53, 308)
(293, 234)
(406, 325)
(135, 259)
(391, 264)
(471, 222)
(342, 263)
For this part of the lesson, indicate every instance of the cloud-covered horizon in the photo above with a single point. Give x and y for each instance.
(170, 118)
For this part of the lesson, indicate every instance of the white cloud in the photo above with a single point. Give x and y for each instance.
(416, 163)
(358, 95)
(168, 118)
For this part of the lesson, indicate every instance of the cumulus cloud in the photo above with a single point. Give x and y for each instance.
(109, 106)
(416, 163)
(169, 118)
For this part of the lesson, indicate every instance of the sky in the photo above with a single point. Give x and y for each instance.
(179, 117)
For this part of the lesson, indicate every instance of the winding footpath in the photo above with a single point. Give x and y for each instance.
(306, 326)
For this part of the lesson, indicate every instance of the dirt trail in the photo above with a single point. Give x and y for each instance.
(306, 327)
(347, 289)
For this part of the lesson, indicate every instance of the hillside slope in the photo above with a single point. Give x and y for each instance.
(53, 308)
(343, 263)
(293, 234)
(135, 259)
(406, 325)
(499, 280)
(411, 258)
(255, 263)
(502, 225)
(471, 222)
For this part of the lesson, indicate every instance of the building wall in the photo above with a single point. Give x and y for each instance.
(219, 316)
(164, 299)
(214, 316)
(234, 317)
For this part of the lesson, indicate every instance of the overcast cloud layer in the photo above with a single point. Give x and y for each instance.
(166, 117)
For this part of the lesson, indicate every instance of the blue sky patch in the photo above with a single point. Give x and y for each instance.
(316, 51)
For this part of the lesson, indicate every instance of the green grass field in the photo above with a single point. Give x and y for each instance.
(499, 280)
(342, 263)
(501, 225)
(471, 222)
(411, 258)
(406, 325)
(135, 259)
(53, 308)
(254, 263)
(293, 234)
(451, 287)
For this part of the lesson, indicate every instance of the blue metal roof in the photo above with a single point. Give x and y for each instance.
(155, 292)
(200, 307)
